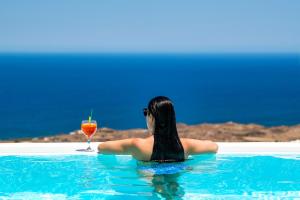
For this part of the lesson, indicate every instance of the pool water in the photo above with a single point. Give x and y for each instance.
(116, 177)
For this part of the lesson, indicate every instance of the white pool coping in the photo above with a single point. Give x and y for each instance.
(70, 148)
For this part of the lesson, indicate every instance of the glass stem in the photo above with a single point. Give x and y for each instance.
(89, 142)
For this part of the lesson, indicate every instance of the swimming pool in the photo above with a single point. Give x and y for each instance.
(92, 176)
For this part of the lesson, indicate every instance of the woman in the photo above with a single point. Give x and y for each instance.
(163, 144)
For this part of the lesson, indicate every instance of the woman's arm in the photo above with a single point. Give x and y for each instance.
(125, 146)
(201, 146)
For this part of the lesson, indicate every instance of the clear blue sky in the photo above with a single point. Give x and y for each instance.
(150, 26)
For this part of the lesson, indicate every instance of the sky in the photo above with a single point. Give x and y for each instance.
(150, 26)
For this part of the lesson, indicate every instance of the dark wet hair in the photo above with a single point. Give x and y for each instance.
(167, 146)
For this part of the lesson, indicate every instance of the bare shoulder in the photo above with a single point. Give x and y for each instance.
(142, 148)
(137, 142)
(142, 144)
(194, 146)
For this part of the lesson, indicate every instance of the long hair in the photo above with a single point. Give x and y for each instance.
(167, 146)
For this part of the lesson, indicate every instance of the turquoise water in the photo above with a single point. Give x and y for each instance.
(117, 177)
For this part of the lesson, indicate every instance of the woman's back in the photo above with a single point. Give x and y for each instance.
(143, 148)
(164, 144)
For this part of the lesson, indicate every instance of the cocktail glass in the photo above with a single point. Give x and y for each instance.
(89, 128)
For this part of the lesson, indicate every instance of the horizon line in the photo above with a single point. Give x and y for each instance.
(151, 52)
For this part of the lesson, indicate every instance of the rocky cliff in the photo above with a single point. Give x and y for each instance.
(229, 132)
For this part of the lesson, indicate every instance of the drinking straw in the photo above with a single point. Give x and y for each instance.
(90, 117)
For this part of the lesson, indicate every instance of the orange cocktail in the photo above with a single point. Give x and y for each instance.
(89, 128)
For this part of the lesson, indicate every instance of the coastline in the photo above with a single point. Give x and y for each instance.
(219, 132)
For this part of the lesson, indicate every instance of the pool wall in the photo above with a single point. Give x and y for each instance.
(73, 147)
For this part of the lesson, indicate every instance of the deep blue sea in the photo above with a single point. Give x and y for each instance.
(44, 94)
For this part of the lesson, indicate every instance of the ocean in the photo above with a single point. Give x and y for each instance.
(46, 94)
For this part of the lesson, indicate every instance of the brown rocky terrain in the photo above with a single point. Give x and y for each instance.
(228, 132)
